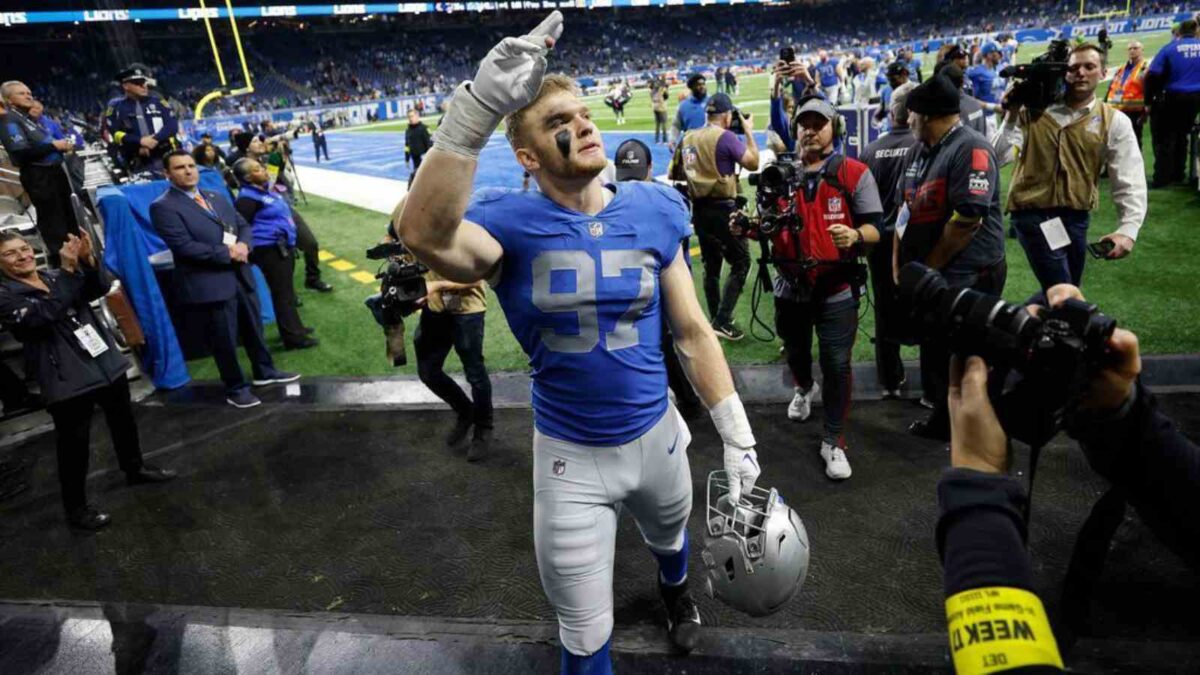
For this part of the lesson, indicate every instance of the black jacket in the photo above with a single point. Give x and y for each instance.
(417, 141)
(46, 324)
(1141, 451)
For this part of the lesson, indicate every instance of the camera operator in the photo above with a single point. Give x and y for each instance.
(710, 157)
(886, 158)
(452, 315)
(1056, 181)
(41, 161)
(76, 363)
(1173, 84)
(950, 220)
(837, 211)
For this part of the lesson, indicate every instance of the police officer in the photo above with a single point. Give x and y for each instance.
(40, 157)
(1173, 86)
(691, 113)
(710, 157)
(886, 158)
(950, 220)
(139, 124)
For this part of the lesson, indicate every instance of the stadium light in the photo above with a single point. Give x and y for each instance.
(212, 40)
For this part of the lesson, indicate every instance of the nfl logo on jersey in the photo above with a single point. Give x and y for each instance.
(835, 204)
(596, 229)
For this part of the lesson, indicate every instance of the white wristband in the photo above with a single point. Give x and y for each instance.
(730, 419)
(467, 125)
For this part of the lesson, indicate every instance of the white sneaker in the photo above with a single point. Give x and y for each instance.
(801, 406)
(837, 466)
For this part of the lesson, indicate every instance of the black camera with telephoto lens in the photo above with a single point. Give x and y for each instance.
(776, 187)
(1055, 353)
(1040, 82)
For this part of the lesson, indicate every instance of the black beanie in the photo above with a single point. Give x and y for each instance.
(935, 97)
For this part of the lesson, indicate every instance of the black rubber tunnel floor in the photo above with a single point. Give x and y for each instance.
(290, 507)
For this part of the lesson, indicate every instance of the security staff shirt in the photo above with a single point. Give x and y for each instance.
(1178, 64)
(959, 173)
(887, 158)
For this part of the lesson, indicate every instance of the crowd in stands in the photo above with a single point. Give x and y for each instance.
(300, 63)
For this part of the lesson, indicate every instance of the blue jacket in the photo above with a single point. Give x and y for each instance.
(203, 270)
(1177, 66)
(269, 215)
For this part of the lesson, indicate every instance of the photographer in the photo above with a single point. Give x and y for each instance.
(1056, 182)
(710, 157)
(886, 158)
(981, 530)
(76, 362)
(981, 539)
(452, 315)
(836, 212)
(950, 220)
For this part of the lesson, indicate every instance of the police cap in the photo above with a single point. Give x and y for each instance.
(136, 71)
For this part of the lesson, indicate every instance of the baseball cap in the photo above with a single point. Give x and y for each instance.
(632, 160)
(819, 106)
(989, 48)
(897, 67)
(719, 103)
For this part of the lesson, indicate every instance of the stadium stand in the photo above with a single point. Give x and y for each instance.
(323, 60)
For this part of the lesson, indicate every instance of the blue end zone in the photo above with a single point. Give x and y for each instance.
(381, 154)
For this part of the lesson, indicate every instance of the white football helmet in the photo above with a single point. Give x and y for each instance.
(756, 554)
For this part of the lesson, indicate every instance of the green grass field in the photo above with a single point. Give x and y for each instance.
(1155, 292)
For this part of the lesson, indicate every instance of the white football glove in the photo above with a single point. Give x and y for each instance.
(741, 465)
(509, 77)
(741, 461)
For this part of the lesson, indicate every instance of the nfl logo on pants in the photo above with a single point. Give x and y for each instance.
(560, 467)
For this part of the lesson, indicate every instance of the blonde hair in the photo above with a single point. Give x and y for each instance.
(514, 123)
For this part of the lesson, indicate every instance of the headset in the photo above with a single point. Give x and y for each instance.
(839, 122)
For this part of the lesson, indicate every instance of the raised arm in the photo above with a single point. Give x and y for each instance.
(431, 223)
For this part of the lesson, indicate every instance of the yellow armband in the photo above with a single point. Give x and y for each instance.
(998, 628)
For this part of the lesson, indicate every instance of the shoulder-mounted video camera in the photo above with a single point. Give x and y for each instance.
(1040, 82)
(402, 282)
(775, 202)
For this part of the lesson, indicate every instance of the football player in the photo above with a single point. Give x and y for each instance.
(583, 271)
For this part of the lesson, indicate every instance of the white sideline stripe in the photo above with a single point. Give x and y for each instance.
(368, 192)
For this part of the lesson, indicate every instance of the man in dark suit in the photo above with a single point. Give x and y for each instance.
(211, 244)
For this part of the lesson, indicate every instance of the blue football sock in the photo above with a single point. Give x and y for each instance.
(672, 567)
(599, 663)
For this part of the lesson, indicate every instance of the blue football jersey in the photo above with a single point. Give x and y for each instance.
(581, 295)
